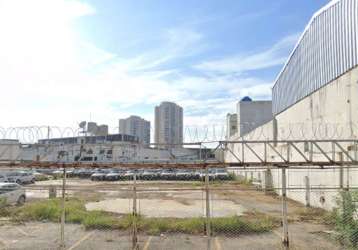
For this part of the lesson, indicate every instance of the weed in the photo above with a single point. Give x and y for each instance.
(345, 218)
(314, 214)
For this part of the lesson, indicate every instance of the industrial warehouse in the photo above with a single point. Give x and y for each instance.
(314, 98)
(283, 175)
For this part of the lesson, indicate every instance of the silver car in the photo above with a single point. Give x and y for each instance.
(20, 177)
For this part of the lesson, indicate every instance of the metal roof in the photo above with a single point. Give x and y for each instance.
(326, 49)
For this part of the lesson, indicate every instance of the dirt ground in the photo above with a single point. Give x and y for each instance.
(46, 236)
(165, 199)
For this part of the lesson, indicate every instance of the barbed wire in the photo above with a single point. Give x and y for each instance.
(202, 133)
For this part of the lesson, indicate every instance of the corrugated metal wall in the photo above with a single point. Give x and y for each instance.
(327, 49)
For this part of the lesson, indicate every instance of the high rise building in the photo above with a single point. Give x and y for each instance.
(168, 124)
(136, 126)
(252, 114)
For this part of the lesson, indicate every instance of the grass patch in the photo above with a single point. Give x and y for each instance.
(50, 210)
(244, 225)
(75, 211)
(313, 214)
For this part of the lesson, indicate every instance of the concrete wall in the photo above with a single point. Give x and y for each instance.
(329, 113)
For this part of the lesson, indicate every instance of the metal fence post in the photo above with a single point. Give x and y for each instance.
(285, 240)
(135, 245)
(308, 191)
(207, 210)
(341, 177)
(208, 228)
(63, 218)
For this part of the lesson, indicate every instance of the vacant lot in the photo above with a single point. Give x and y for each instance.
(165, 199)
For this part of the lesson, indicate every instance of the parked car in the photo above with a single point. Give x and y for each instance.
(128, 175)
(84, 172)
(211, 174)
(197, 174)
(114, 175)
(221, 174)
(100, 175)
(3, 178)
(183, 174)
(149, 174)
(57, 172)
(12, 193)
(168, 174)
(40, 176)
(46, 171)
(20, 177)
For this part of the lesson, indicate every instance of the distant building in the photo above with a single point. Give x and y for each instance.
(97, 130)
(136, 126)
(252, 114)
(168, 124)
(231, 125)
(98, 139)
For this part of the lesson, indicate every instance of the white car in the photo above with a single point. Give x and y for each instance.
(11, 194)
(221, 174)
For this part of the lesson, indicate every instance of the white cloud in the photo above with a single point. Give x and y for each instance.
(52, 77)
(275, 55)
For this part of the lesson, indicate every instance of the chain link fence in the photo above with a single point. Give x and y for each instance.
(209, 208)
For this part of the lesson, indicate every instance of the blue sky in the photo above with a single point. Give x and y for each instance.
(65, 61)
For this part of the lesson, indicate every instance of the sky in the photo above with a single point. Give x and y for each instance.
(63, 61)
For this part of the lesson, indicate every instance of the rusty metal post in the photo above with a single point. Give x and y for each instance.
(285, 239)
(135, 245)
(63, 218)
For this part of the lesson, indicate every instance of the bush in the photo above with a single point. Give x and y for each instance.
(346, 218)
(42, 177)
